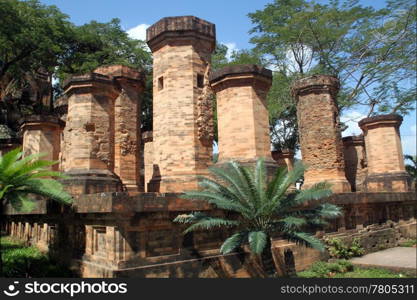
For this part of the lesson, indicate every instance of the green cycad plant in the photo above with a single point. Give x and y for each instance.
(21, 177)
(259, 208)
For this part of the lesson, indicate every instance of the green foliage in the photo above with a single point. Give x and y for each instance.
(22, 177)
(39, 38)
(338, 249)
(370, 50)
(412, 167)
(21, 261)
(96, 44)
(32, 36)
(345, 269)
(322, 269)
(258, 207)
(408, 243)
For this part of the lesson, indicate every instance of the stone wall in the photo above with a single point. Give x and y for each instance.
(319, 131)
(117, 235)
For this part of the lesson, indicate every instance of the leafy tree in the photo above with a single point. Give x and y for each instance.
(32, 37)
(282, 113)
(256, 208)
(411, 168)
(219, 58)
(371, 51)
(96, 44)
(22, 178)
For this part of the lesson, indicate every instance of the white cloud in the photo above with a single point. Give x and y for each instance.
(351, 119)
(138, 32)
(231, 47)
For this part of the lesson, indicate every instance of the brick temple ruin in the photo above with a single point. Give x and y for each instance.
(127, 184)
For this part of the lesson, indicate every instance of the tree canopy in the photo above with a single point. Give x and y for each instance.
(372, 51)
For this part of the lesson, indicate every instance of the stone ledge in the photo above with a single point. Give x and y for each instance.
(377, 197)
(120, 71)
(354, 140)
(42, 119)
(180, 23)
(315, 84)
(121, 202)
(238, 70)
(86, 78)
(381, 118)
(180, 28)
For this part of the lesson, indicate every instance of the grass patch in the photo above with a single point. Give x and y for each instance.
(345, 269)
(26, 262)
(408, 243)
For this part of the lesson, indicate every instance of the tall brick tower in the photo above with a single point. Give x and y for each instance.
(320, 138)
(182, 115)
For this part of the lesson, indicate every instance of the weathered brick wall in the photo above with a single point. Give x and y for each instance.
(355, 161)
(386, 170)
(114, 235)
(319, 130)
(148, 158)
(127, 136)
(89, 130)
(41, 134)
(243, 120)
(181, 49)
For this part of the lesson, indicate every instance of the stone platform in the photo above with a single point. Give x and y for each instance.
(398, 259)
(120, 235)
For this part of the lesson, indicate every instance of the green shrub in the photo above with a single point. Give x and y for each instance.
(338, 249)
(408, 243)
(370, 273)
(321, 269)
(22, 261)
(345, 269)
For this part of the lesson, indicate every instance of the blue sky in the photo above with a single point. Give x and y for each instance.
(232, 26)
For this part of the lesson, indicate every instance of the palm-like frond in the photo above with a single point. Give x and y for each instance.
(202, 221)
(260, 207)
(257, 241)
(306, 239)
(20, 177)
(233, 242)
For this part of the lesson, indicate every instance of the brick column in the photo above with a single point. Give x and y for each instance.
(41, 134)
(320, 138)
(243, 122)
(89, 134)
(386, 170)
(355, 161)
(148, 158)
(127, 109)
(61, 110)
(284, 157)
(182, 115)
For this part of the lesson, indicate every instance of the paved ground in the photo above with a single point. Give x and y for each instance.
(396, 259)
